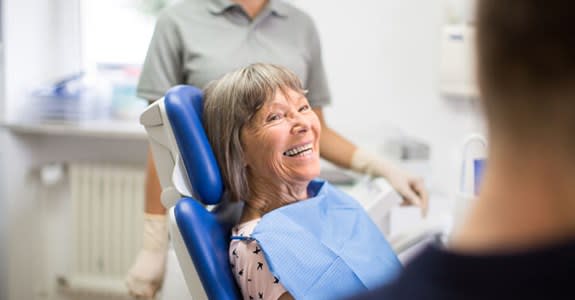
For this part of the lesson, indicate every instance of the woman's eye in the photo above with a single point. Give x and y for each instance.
(304, 108)
(273, 117)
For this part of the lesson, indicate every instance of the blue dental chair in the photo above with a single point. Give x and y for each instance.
(192, 190)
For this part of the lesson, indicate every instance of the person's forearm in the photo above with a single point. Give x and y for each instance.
(334, 147)
(153, 189)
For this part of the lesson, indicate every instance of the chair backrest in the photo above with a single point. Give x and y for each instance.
(191, 179)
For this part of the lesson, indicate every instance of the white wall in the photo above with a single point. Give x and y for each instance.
(3, 204)
(382, 59)
(27, 57)
(40, 40)
(26, 31)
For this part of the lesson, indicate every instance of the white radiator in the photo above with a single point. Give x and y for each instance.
(108, 207)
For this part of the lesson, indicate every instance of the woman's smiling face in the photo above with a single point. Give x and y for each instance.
(281, 142)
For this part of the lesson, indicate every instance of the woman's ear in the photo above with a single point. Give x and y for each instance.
(245, 162)
(244, 157)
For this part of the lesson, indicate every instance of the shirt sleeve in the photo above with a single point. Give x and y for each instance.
(252, 273)
(162, 67)
(316, 84)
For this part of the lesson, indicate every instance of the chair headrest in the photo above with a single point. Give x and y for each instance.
(184, 107)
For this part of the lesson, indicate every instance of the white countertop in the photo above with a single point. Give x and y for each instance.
(124, 129)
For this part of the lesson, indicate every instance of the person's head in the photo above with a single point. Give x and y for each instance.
(526, 70)
(261, 126)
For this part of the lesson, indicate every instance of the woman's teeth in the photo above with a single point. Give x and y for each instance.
(299, 151)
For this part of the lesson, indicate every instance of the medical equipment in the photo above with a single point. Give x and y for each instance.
(106, 93)
(472, 164)
(406, 148)
(473, 161)
(69, 99)
(378, 198)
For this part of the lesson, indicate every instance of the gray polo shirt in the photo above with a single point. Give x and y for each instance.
(197, 41)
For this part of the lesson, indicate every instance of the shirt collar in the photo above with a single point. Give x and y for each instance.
(278, 7)
(220, 6)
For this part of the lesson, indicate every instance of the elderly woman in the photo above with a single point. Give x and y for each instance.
(297, 237)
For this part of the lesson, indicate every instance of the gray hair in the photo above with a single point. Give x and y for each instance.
(230, 103)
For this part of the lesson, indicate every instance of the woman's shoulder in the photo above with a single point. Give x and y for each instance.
(249, 266)
(242, 247)
(241, 238)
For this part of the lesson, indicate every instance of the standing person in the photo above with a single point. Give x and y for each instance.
(519, 239)
(197, 41)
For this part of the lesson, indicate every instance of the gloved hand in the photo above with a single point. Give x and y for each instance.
(147, 273)
(410, 187)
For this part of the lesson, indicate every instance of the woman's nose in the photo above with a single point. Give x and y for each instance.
(301, 124)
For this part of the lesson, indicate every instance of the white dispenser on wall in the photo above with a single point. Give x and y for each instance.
(457, 62)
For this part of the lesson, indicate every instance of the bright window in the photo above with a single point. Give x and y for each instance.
(115, 31)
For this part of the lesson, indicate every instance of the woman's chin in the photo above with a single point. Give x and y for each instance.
(310, 175)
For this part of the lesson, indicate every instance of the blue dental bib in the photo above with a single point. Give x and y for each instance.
(325, 247)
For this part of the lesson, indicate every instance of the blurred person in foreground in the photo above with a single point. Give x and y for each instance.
(518, 242)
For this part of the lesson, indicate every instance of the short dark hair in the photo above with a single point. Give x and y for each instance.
(230, 104)
(526, 66)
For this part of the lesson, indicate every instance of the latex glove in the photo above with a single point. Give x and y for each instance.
(147, 273)
(410, 187)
